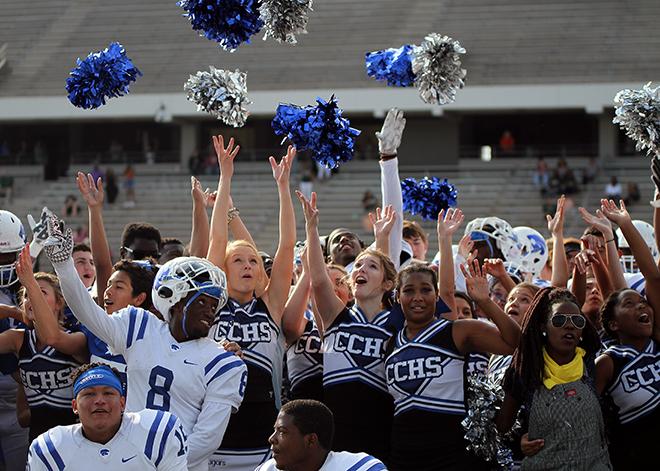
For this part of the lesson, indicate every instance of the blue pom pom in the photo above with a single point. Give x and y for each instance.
(427, 196)
(320, 129)
(393, 65)
(101, 75)
(228, 22)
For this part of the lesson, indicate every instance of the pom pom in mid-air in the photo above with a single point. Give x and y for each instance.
(228, 22)
(320, 129)
(283, 19)
(427, 196)
(437, 68)
(101, 75)
(221, 93)
(393, 65)
(637, 112)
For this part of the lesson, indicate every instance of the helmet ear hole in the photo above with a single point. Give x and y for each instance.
(165, 292)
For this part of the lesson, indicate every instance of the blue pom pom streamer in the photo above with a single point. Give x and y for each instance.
(393, 65)
(320, 129)
(428, 196)
(228, 22)
(101, 75)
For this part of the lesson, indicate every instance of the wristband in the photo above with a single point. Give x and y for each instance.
(608, 241)
(232, 213)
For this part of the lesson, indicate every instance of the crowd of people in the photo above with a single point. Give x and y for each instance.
(330, 354)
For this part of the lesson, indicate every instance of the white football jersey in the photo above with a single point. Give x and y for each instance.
(147, 439)
(338, 461)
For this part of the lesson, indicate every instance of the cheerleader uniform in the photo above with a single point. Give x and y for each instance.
(245, 444)
(354, 385)
(304, 361)
(426, 378)
(634, 394)
(46, 377)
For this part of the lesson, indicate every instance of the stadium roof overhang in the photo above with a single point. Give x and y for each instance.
(593, 98)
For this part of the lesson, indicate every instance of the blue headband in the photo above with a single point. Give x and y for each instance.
(98, 376)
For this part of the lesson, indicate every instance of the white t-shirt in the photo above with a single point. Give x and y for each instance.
(338, 461)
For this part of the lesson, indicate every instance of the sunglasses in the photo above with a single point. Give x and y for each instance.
(142, 254)
(560, 320)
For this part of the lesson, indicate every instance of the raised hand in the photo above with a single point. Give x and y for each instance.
(225, 155)
(39, 232)
(202, 197)
(475, 280)
(618, 216)
(91, 191)
(309, 209)
(448, 222)
(383, 221)
(465, 246)
(494, 267)
(282, 171)
(585, 259)
(389, 137)
(59, 245)
(599, 221)
(556, 222)
(24, 268)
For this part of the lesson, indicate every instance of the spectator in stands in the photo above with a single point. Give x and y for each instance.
(541, 175)
(111, 187)
(590, 171)
(507, 142)
(71, 207)
(172, 248)
(563, 180)
(417, 238)
(613, 189)
(80, 235)
(634, 195)
(140, 241)
(129, 186)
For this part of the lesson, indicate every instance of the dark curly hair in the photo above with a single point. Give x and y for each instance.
(527, 361)
(607, 311)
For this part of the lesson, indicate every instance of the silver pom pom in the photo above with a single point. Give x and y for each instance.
(638, 114)
(221, 93)
(283, 19)
(437, 68)
(484, 400)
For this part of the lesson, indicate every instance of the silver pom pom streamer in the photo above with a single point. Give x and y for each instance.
(437, 68)
(484, 400)
(283, 19)
(221, 93)
(638, 114)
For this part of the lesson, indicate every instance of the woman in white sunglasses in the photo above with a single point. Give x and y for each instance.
(551, 380)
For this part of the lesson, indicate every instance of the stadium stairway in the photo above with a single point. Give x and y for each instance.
(500, 188)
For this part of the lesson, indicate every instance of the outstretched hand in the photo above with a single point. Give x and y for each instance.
(225, 155)
(598, 221)
(383, 221)
(389, 137)
(613, 213)
(204, 198)
(59, 245)
(448, 222)
(495, 267)
(282, 171)
(465, 246)
(91, 191)
(556, 222)
(475, 280)
(24, 268)
(309, 209)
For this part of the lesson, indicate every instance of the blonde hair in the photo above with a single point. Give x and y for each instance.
(262, 281)
(54, 283)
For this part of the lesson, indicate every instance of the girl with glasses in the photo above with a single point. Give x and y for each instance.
(551, 378)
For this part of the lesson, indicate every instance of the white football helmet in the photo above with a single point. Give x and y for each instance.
(534, 250)
(501, 231)
(182, 275)
(12, 240)
(646, 231)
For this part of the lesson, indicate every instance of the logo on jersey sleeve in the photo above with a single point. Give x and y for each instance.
(412, 368)
(363, 345)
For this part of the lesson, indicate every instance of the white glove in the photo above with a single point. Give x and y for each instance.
(389, 137)
(39, 232)
(59, 245)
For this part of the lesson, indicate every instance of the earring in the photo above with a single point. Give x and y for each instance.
(580, 339)
(544, 334)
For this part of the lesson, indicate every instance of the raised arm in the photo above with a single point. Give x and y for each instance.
(45, 323)
(389, 139)
(448, 223)
(92, 193)
(279, 286)
(199, 235)
(293, 319)
(655, 177)
(495, 267)
(327, 303)
(383, 222)
(219, 234)
(559, 261)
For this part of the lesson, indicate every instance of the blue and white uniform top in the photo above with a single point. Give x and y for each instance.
(354, 347)
(497, 367)
(338, 461)
(145, 440)
(304, 358)
(636, 281)
(45, 374)
(635, 388)
(100, 352)
(428, 372)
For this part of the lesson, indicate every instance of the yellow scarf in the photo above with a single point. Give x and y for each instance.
(554, 374)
